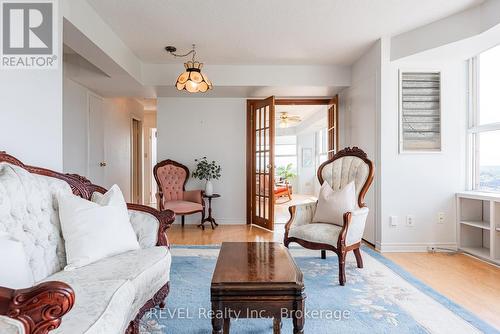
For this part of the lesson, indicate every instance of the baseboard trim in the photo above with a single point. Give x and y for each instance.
(220, 221)
(229, 221)
(413, 247)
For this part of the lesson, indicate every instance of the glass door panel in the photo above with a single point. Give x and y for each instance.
(262, 132)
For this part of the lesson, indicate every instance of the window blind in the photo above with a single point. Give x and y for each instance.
(420, 111)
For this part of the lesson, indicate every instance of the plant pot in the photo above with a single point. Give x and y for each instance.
(209, 189)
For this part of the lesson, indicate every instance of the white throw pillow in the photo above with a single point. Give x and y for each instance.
(15, 272)
(93, 231)
(333, 204)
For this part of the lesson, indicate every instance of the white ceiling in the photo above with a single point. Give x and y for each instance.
(305, 112)
(267, 32)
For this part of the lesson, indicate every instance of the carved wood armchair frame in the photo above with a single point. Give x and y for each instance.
(159, 194)
(341, 249)
(42, 307)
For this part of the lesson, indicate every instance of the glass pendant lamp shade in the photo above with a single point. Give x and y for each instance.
(193, 80)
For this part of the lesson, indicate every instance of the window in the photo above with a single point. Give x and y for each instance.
(420, 111)
(484, 121)
(285, 152)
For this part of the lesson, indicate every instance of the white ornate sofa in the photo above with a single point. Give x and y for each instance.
(108, 296)
(348, 165)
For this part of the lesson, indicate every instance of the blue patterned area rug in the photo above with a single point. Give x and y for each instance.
(380, 298)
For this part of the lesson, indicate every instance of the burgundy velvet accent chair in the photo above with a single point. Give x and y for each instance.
(171, 178)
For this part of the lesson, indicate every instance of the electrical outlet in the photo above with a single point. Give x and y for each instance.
(410, 220)
(441, 218)
(393, 221)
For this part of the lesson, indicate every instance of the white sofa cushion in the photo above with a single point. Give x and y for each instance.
(15, 272)
(28, 212)
(319, 233)
(333, 204)
(93, 231)
(147, 270)
(101, 307)
(11, 326)
(145, 226)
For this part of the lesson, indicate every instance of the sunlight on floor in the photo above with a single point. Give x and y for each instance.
(281, 214)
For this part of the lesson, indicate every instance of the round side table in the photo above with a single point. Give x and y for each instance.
(209, 219)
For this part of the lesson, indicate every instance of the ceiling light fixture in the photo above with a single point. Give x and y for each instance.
(192, 79)
(285, 119)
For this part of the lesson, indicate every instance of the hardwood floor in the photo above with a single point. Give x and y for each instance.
(469, 282)
(473, 284)
(193, 235)
(281, 213)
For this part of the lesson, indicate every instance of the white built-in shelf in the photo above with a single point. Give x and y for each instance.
(481, 252)
(480, 195)
(480, 224)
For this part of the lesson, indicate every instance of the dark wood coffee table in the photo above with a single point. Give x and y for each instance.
(256, 280)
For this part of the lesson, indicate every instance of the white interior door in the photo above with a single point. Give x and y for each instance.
(97, 161)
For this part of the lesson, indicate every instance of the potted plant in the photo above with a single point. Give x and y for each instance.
(207, 171)
(286, 173)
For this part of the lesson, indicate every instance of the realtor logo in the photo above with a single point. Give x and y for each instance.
(28, 34)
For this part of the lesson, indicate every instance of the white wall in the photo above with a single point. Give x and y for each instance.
(423, 184)
(306, 176)
(31, 114)
(359, 108)
(190, 128)
(75, 128)
(118, 113)
(117, 138)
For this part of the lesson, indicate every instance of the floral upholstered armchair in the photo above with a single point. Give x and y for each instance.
(348, 165)
(171, 178)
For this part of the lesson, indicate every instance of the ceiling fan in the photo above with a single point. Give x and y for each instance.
(285, 119)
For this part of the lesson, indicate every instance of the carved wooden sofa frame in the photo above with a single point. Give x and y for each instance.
(341, 249)
(42, 307)
(160, 195)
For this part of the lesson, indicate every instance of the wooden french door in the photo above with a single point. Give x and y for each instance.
(333, 131)
(261, 127)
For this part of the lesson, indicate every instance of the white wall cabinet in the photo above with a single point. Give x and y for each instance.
(478, 224)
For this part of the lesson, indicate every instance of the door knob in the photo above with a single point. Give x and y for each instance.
(102, 164)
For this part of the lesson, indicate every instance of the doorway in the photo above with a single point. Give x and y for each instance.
(287, 140)
(136, 161)
(153, 137)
